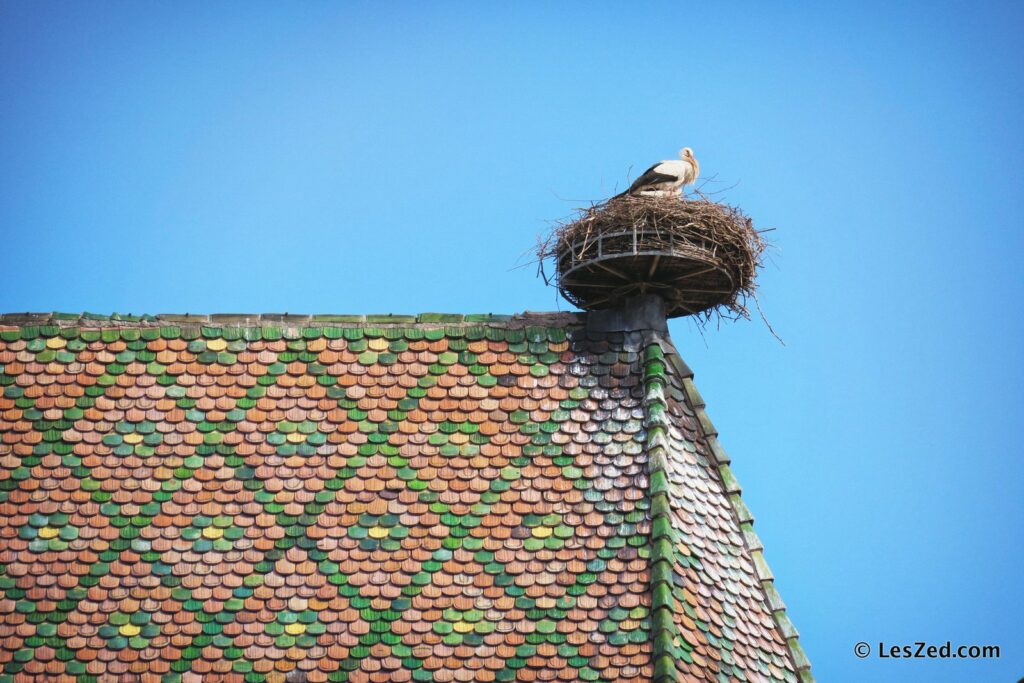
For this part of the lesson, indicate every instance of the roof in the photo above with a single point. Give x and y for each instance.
(370, 498)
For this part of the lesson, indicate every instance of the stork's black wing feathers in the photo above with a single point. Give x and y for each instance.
(650, 177)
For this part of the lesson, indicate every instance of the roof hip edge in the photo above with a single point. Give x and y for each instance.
(664, 630)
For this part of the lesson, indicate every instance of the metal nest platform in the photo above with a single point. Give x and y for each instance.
(699, 256)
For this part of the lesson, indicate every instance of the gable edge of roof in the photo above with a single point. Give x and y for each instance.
(776, 607)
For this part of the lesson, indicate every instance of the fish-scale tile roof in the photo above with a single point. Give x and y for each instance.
(369, 498)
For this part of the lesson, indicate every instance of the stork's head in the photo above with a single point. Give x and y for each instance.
(686, 153)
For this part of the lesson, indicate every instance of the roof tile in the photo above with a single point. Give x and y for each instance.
(342, 498)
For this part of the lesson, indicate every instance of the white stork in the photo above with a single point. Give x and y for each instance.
(666, 178)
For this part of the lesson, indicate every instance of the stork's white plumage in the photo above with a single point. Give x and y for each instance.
(667, 178)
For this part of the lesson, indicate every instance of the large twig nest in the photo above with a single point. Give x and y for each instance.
(700, 256)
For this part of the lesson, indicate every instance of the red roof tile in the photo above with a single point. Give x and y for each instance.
(487, 499)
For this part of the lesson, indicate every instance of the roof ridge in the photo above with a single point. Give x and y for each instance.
(86, 319)
(720, 460)
(664, 630)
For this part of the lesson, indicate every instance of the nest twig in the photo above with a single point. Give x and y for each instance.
(712, 254)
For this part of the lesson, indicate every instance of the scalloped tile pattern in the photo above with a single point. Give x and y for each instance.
(322, 504)
(361, 498)
(725, 629)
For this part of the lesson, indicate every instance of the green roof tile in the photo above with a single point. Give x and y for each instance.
(353, 476)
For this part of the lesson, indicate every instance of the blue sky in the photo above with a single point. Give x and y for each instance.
(159, 157)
